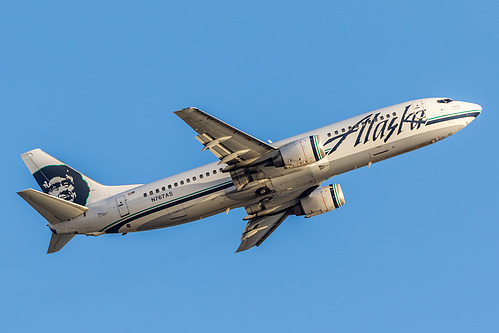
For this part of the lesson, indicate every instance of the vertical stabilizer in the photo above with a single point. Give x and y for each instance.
(60, 180)
(57, 242)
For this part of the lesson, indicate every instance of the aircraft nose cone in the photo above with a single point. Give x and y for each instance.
(476, 109)
(472, 111)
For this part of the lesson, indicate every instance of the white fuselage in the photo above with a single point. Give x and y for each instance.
(205, 191)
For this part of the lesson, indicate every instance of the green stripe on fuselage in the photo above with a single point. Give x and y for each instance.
(453, 114)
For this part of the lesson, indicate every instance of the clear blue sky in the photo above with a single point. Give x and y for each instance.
(415, 248)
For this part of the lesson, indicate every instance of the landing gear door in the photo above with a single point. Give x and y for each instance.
(177, 211)
(122, 206)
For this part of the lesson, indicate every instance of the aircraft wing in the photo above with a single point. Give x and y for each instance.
(228, 143)
(257, 230)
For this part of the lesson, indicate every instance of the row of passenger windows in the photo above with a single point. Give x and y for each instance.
(182, 182)
(343, 130)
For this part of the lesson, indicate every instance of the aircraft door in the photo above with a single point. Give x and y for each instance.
(419, 109)
(122, 206)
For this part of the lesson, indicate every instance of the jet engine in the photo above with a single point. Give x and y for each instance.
(321, 200)
(300, 152)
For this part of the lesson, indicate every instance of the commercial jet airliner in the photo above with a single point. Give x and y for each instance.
(270, 180)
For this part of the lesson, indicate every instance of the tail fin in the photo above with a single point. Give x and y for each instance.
(60, 180)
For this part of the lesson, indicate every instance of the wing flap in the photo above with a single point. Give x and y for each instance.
(259, 229)
(53, 209)
(226, 142)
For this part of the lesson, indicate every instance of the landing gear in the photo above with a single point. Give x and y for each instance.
(262, 191)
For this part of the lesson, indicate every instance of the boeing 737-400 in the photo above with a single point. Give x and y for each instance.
(270, 180)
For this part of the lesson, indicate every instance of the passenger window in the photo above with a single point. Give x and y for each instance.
(220, 169)
(394, 114)
(169, 186)
(145, 195)
(157, 190)
(188, 180)
(181, 182)
(201, 176)
(151, 192)
(163, 188)
(207, 174)
(388, 116)
(381, 117)
(349, 128)
(214, 172)
(336, 132)
(343, 130)
(175, 184)
(194, 178)
(329, 134)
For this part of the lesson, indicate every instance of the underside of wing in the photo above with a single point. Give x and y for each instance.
(52, 208)
(257, 230)
(228, 143)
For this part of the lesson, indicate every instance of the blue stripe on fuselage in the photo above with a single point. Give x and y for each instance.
(452, 117)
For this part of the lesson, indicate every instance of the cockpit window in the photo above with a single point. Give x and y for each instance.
(446, 100)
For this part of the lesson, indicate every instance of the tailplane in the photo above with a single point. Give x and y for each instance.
(53, 209)
(57, 242)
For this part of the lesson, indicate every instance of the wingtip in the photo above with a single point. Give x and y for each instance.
(242, 248)
(24, 193)
(190, 108)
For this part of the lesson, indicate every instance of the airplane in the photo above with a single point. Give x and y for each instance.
(270, 180)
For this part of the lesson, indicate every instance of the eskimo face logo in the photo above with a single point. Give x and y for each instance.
(63, 182)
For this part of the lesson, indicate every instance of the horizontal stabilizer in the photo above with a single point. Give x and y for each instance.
(53, 209)
(57, 242)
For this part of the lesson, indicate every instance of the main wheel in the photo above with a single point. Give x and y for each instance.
(263, 191)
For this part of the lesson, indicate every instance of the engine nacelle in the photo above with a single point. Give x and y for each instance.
(321, 200)
(300, 152)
